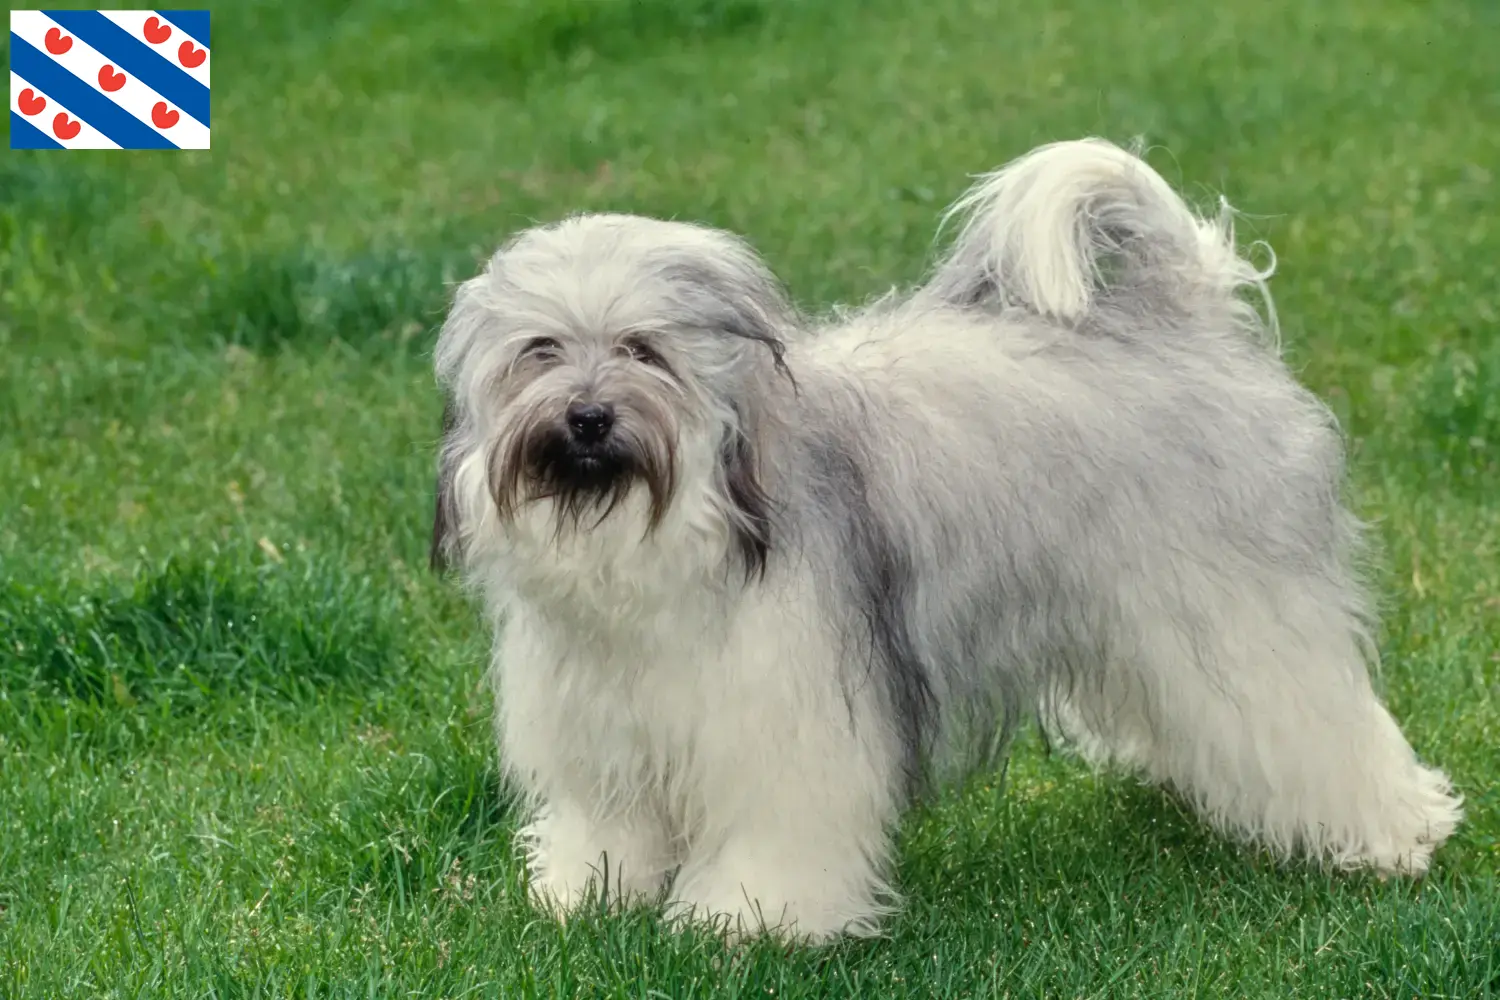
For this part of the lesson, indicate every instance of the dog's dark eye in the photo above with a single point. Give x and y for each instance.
(643, 352)
(541, 347)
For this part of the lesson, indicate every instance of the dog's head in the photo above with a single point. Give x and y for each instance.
(607, 357)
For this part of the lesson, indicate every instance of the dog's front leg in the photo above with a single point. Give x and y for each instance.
(597, 824)
(800, 850)
(797, 786)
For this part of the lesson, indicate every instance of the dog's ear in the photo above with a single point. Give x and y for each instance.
(750, 506)
(749, 304)
(445, 509)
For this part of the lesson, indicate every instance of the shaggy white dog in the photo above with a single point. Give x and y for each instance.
(756, 582)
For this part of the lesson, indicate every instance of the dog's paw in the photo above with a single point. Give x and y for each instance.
(1403, 843)
(558, 895)
(740, 922)
(569, 863)
(555, 896)
(728, 909)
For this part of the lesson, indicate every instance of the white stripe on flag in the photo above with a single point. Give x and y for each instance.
(170, 49)
(88, 137)
(85, 62)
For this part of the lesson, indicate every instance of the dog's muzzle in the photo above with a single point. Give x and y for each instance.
(585, 455)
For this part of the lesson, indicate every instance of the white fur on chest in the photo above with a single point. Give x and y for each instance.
(610, 650)
(661, 708)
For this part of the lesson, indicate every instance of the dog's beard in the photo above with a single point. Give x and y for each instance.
(586, 482)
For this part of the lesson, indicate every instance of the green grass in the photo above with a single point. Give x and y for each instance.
(244, 743)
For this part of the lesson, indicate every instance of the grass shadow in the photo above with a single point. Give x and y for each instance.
(619, 28)
(186, 638)
(381, 300)
(541, 39)
(1454, 396)
(70, 197)
(50, 208)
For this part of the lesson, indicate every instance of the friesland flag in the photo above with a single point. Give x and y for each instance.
(109, 79)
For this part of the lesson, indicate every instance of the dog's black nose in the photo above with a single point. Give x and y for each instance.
(590, 422)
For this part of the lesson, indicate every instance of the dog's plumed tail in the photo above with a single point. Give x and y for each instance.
(1084, 228)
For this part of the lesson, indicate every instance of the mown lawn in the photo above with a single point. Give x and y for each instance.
(244, 743)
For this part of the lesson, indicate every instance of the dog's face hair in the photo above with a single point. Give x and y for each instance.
(595, 357)
(583, 427)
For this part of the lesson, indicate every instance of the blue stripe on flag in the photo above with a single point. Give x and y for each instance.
(123, 128)
(24, 135)
(136, 58)
(194, 22)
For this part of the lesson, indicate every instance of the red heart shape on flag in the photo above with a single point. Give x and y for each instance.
(161, 117)
(31, 102)
(155, 31)
(57, 42)
(190, 57)
(109, 79)
(64, 129)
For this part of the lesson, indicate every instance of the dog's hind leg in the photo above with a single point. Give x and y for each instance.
(1256, 706)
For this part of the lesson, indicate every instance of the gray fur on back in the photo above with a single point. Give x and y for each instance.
(1142, 433)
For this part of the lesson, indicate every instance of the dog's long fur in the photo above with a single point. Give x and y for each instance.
(823, 565)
